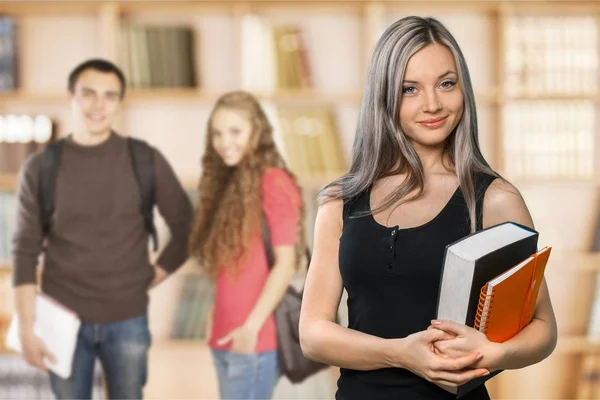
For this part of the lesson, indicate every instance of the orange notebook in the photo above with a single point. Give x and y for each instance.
(507, 302)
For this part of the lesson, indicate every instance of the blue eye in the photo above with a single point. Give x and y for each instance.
(409, 89)
(448, 84)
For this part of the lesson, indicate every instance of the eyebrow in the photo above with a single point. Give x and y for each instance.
(108, 92)
(439, 77)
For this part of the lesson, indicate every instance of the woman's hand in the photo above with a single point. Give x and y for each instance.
(465, 340)
(243, 340)
(449, 373)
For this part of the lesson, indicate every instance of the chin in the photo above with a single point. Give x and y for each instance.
(231, 163)
(98, 130)
(432, 142)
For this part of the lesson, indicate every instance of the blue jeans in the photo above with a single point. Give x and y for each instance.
(122, 348)
(246, 376)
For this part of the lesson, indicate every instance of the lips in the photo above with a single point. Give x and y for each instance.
(434, 123)
(96, 118)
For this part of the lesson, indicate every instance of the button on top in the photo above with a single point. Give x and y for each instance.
(393, 232)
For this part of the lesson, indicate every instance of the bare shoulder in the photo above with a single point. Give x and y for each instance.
(503, 202)
(331, 208)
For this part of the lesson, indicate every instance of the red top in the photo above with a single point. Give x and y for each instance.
(237, 295)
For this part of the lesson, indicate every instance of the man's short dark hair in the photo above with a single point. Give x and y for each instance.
(97, 64)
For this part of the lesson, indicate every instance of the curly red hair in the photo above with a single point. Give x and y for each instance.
(229, 206)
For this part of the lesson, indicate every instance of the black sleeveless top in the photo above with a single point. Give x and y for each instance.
(392, 277)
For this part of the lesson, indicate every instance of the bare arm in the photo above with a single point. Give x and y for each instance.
(27, 247)
(325, 341)
(176, 208)
(321, 338)
(25, 305)
(536, 341)
(279, 278)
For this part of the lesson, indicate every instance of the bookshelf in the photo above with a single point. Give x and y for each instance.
(8, 182)
(339, 37)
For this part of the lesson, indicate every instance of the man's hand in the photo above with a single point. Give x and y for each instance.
(34, 351)
(159, 276)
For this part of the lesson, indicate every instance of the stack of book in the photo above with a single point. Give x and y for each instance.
(195, 301)
(8, 209)
(158, 56)
(275, 56)
(491, 281)
(310, 141)
(21, 136)
(8, 55)
(551, 55)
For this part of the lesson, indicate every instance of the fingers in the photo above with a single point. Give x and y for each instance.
(48, 354)
(458, 378)
(458, 363)
(37, 360)
(433, 335)
(225, 339)
(450, 327)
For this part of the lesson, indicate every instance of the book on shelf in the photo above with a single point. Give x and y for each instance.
(551, 55)
(589, 383)
(195, 301)
(9, 76)
(21, 136)
(310, 140)
(158, 56)
(8, 215)
(549, 139)
(274, 56)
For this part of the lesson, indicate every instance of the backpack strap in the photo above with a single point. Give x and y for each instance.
(142, 157)
(269, 251)
(47, 182)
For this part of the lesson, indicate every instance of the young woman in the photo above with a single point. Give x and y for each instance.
(245, 182)
(418, 182)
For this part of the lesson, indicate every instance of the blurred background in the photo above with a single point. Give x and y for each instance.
(534, 68)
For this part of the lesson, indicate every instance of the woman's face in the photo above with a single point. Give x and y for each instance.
(230, 134)
(432, 99)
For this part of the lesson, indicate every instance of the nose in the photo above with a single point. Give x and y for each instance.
(432, 103)
(99, 102)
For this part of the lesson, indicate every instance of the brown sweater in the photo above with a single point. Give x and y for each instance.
(97, 260)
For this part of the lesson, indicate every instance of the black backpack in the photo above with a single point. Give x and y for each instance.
(143, 164)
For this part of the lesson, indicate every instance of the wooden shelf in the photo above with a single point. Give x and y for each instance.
(199, 95)
(128, 6)
(49, 7)
(503, 98)
(19, 97)
(8, 182)
(577, 344)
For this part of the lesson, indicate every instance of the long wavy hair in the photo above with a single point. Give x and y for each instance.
(229, 208)
(381, 148)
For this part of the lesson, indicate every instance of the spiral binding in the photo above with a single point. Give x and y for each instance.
(484, 309)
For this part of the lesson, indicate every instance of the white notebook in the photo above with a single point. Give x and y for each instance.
(57, 327)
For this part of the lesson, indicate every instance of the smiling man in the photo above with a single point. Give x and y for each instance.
(95, 237)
